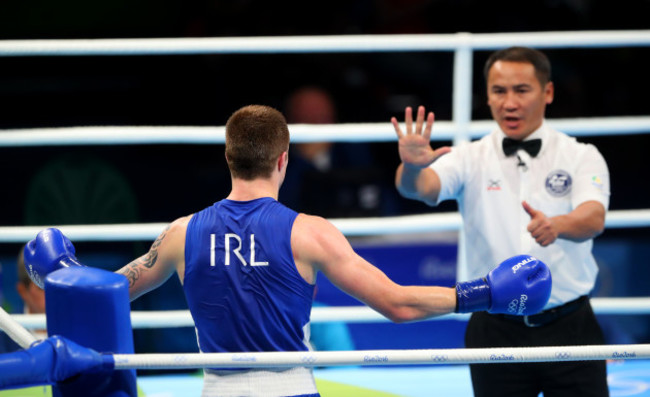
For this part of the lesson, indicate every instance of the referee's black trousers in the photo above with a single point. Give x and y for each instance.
(553, 379)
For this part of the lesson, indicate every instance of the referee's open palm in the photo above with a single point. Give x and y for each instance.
(414, 145)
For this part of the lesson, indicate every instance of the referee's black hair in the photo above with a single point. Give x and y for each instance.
(538, 59)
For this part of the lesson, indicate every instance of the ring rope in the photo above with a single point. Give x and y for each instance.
(342, 132)
(347, 314)
(381, 357)
(371, 226)
(321, 44)
(15, 330)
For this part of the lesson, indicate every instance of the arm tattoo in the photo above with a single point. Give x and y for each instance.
(134, 270)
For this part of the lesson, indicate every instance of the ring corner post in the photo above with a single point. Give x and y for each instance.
(92, 308)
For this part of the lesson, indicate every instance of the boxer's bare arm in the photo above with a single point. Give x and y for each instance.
(166, 256)
(318, 245)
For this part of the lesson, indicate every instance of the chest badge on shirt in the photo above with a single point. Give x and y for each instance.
(558, 183)
(494, 184)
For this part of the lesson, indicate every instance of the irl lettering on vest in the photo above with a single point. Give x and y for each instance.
(235, 249)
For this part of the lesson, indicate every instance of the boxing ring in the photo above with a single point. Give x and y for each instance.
(374, 372)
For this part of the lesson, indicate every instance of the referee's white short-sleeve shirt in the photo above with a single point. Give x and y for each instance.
(490, 187)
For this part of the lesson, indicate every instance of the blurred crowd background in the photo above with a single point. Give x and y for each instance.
(158, 183)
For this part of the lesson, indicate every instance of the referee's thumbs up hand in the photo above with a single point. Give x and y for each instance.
(530, 210)
(541, 228)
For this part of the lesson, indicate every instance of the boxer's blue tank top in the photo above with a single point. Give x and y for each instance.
(241, 282)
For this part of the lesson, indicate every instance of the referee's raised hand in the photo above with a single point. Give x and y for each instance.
(414, 144)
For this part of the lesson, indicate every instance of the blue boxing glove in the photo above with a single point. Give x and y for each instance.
(519, 286)
(49, 251)
(52, 360)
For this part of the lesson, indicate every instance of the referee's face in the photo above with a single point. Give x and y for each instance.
(516, 98)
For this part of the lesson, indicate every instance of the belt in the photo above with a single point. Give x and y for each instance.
(550, 315)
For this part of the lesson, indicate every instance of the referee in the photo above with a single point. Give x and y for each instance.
(523, 188)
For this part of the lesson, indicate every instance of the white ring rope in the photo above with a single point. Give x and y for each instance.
(321, 44)
(382, 357)
(350, 132)
(437, 222)
(347, 314)
(15, 330)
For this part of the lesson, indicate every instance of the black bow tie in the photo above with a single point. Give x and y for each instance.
(532, 146)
